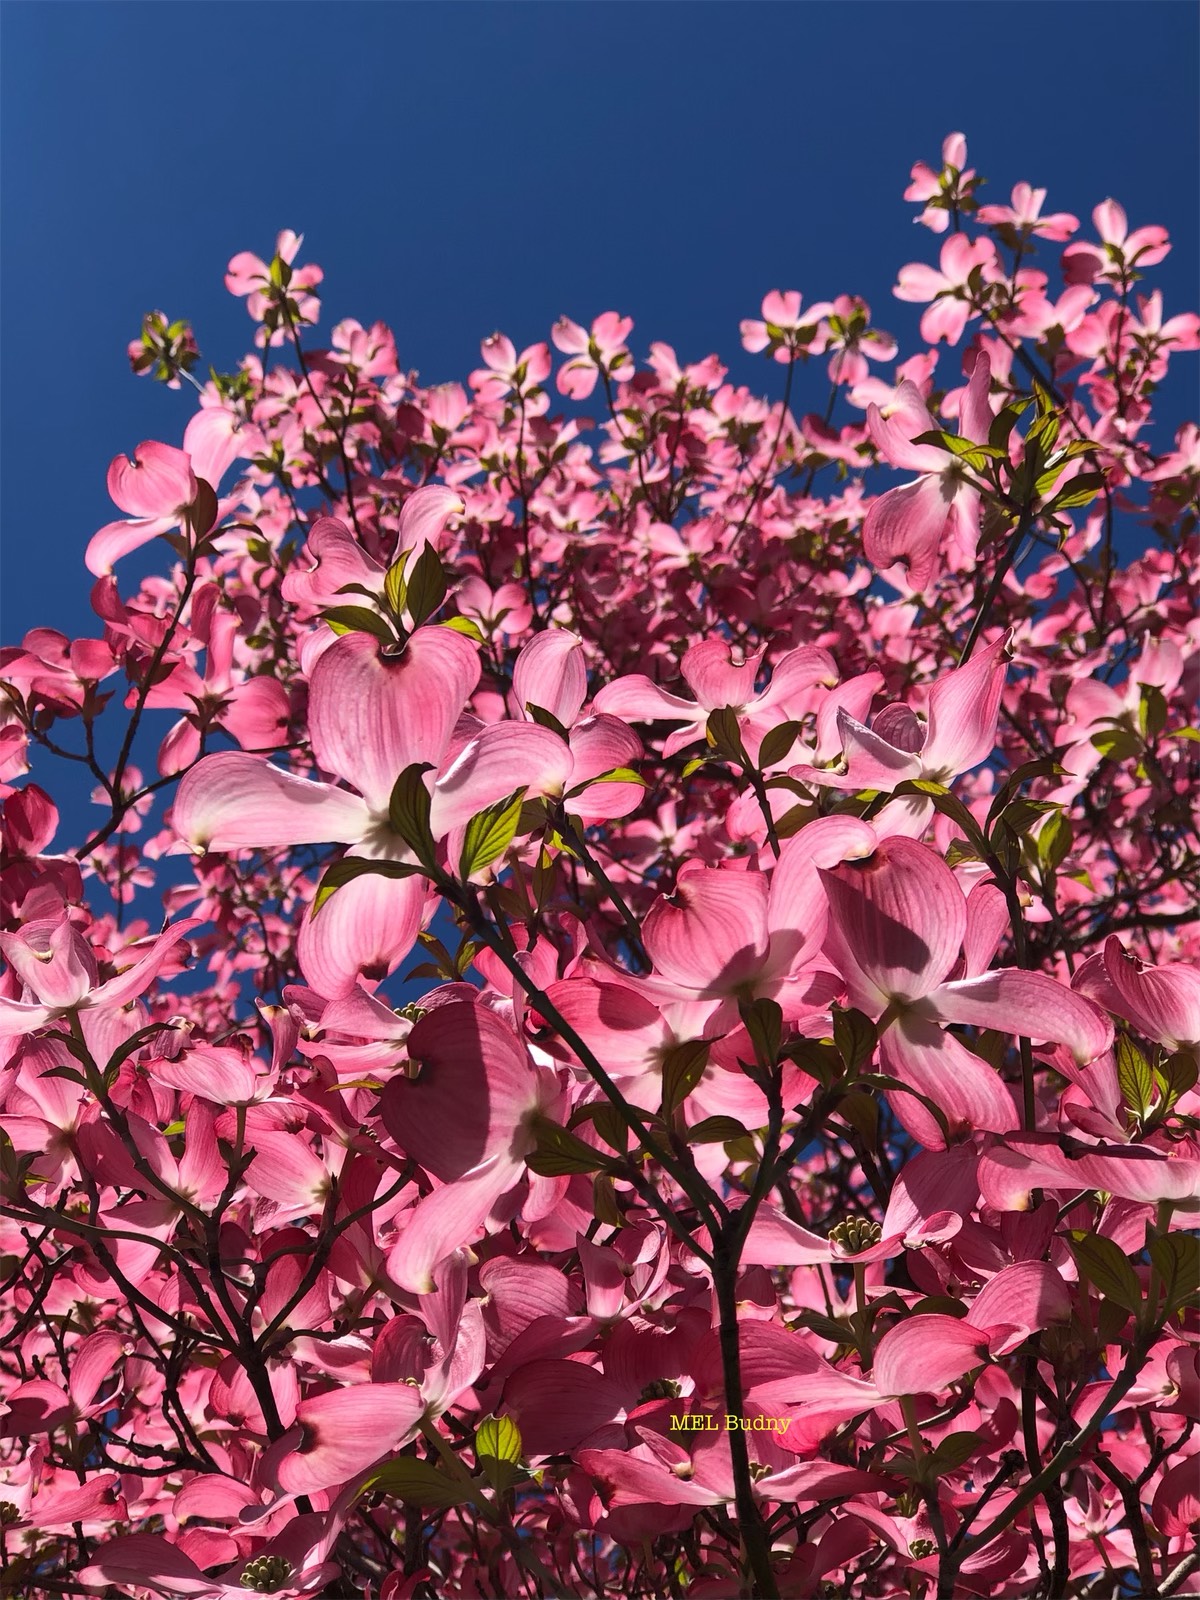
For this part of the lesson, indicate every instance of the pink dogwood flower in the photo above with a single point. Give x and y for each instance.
(934, 520)
(897, 922)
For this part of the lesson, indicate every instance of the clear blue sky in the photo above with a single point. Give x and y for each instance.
(458, 167)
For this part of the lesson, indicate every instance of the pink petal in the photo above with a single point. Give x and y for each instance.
(892, 431)
(331, 559)
(424, 517)
(1027, 1296)
(970, 1094)
(214, 439)
(711, 934)
(550, 673)
(234, 801)
(620, 1025)
(451, 1218)
(715, 679)
(927, 1353)
(137, 978)
(370, 717)
(897, 920)
(496, 762)
(158, 482)
(472, 1092)
(147, 1561)
(367, 928)
(1028, 1003)
(557, 1404)
(908, 525)
(1010, 1171)
(963, 707)
(1163, 1002)
(636, 699)
(117, 539)
(348, 1430)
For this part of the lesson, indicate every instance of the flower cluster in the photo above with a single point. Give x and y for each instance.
(670, 1064)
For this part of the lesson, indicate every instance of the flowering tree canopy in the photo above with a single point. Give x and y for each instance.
(781, 826)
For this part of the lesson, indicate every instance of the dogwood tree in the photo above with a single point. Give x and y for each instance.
(628, 1023)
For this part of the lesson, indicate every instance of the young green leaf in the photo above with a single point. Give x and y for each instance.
(489, 834)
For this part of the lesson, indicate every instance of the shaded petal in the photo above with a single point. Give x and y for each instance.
(908, 525)
(474, 1088)
(897, 919)
(450, 1219)
(711, 934)
(926, 1354)
(1027, 1296)
(622, 1027)
(348, 1430)
(970, 1094)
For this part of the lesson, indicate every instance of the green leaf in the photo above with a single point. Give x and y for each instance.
(1046, 767)
(408, 813)
(716, 1130)
(1134, 1077)
(426, 586)
(1054, 840)
(725, 735)
(1004, 422)
(855, 1037)
(975, 455)
(1081, 491)
(345, 871)
(1118, 744)
(824, 1327)
(613, 775)
(498, 1450)
(394, 586)
(489, 833)
(945, 802)
(953, 1452)
(1152, 711)
(1185, 733)
(358, 619)
(683, 1067)
(1176, 1257)
(776, 744)
(546, 719)
(418, 1483)
(465, 625)
(561, 1153)
(763, 1020)
(1105, 1265)
(1176, 1076)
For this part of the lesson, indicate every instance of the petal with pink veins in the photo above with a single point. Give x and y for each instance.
(896, 924)
(926, 1354)
(550, 673)
(367, 928)
(234, 801)
(711, 934)
(348, 1430)
(372, 716)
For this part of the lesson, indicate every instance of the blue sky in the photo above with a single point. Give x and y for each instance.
(458, 167)
(461, 167)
